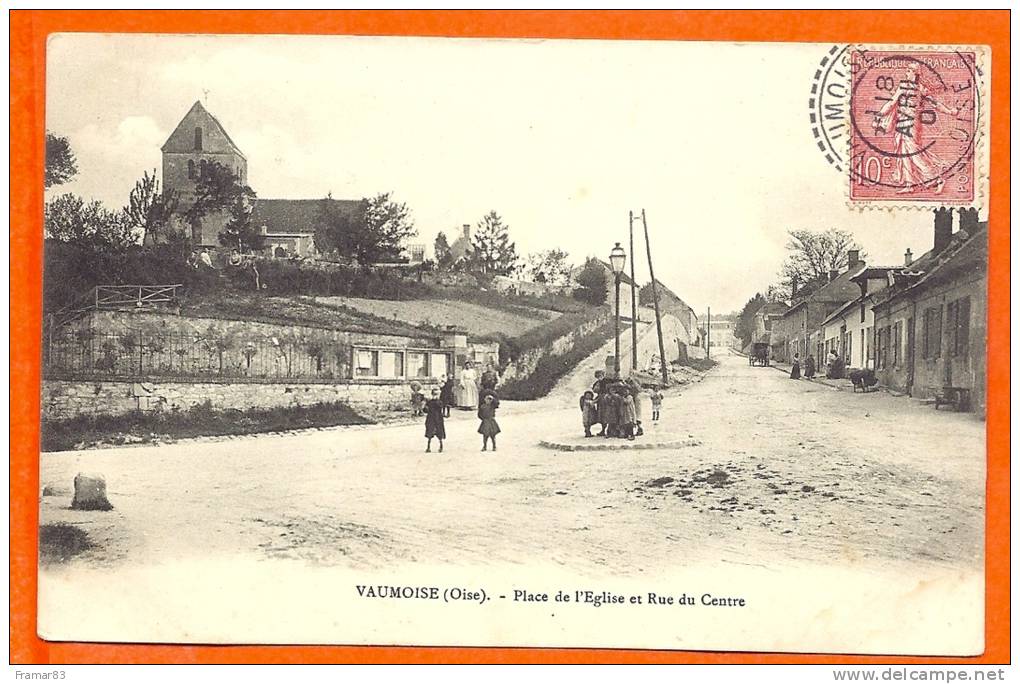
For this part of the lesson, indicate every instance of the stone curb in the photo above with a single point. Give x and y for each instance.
(617, 445)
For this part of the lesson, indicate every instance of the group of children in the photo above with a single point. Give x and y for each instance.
(437, 408)
(615, 406)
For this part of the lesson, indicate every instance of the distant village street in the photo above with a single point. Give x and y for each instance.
(793, 471)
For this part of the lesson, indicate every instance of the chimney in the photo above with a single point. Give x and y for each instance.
(853, 257)
(832, 274)
(943, 228)
(908, 257)
(968, 220)
(467, 231)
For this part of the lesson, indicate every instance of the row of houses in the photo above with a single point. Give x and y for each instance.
(919, 325)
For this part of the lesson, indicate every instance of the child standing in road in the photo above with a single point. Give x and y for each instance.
(417, 399)
(488, 428)
(656, 404)
(589, 412)
(628, 414)
(435, 426)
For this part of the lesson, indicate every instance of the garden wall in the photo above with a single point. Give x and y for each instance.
(69, 398)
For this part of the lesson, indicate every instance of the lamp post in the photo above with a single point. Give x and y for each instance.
(617, 260)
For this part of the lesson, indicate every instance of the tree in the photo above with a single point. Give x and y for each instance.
(591, 283)
(149, 211)
(61, 166)
(373, 232)
(492, 253)
(218, 188)
(549, 267)
(240, 230)
(812, 254)
(444, 257)
(744, 327)
(69, 218)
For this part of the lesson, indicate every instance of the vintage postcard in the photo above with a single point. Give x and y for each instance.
(500, 342)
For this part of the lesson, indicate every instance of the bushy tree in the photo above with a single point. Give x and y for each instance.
(492, 252)
(443, 254)
(550, 266)
(811, 255)
(373, 232)
(150, 211)
(591, 283)
(68, 218)
(61, 166)
(240, 231)
(218, 188)
(744, 327)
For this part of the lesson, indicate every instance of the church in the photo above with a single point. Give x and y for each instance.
(200, 140)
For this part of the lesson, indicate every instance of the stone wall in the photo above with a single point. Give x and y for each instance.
(525, 365)
(69, 398)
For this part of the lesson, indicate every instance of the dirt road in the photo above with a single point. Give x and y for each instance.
(786, 472)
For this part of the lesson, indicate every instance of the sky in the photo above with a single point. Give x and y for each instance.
(562, 138)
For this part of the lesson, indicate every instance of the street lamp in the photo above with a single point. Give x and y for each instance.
(617, 260)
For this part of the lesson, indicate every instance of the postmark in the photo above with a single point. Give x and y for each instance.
(914, 120)
(827, 105)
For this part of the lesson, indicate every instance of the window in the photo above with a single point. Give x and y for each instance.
(191, 169)
(391, 364)
(439, 364)
(897, 342)
(203, 169)
(870, 344)
(198, 139)
(417, 365)
(884, 340)
(366, 363)
(932, 333)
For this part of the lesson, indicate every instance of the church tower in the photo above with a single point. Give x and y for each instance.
(198, 141)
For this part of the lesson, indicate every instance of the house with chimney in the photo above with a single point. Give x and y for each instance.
(763, 320)
(792, 332)
(930, 321)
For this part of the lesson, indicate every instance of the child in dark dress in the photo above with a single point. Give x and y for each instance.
(435, 426)
(589, 412)
(446, 396)
(488, 428)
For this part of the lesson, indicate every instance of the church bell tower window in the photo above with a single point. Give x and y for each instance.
(191, 169)
(198, 139)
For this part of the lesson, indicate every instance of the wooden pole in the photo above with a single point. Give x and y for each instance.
(633, 299)
(708, 339)
(655, 301)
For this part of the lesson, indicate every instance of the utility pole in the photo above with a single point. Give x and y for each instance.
(655, 301)
(708, 340)
(633, 300)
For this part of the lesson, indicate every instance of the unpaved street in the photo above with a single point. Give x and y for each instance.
(785, 472)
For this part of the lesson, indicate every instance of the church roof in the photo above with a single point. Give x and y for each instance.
(217, 140)
(295, 216)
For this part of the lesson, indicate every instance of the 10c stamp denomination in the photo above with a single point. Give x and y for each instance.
(914, 119)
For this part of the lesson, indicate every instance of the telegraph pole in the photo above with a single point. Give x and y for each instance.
(633, 300)
(708, 341)
(655, 301)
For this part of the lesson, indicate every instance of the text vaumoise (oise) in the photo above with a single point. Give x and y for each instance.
(589, 597)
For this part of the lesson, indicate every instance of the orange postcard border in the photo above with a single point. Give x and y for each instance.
(29, 30)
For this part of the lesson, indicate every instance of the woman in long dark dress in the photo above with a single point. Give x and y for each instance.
(488, 428)
(795, 371)
(809, 366)
(435, 426)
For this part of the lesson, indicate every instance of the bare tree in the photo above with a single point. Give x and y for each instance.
(812, 254)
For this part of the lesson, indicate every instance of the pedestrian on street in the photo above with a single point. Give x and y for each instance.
(589, 412)
(795, 371)
(830, 366)
(488, 428)
(468, 395)
(628, 414)
(602, 401)
(636, 391)
(488, 381)
(809, 366)
(417, 399)
(446, 395)
(656, 404)
(435, 426)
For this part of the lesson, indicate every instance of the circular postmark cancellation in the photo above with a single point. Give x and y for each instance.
(827, 105)
(912, 126)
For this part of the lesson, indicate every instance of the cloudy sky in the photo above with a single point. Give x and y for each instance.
(562, 138)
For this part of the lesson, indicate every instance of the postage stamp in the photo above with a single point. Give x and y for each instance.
(914, 127)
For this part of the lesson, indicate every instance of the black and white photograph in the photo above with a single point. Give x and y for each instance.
(500, 342)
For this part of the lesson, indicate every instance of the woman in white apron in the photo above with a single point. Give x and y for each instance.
(467, 395)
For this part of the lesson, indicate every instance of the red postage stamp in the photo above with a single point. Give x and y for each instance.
(913, 126)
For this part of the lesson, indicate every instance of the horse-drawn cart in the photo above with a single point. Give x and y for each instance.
(759, 354)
